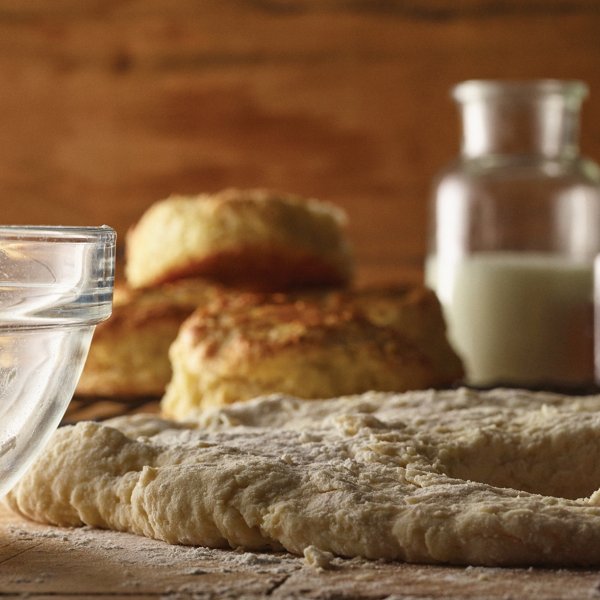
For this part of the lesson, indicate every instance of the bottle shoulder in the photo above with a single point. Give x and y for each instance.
(590, 169)
(579, 170)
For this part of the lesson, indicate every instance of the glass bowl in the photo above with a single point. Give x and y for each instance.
(56, 284)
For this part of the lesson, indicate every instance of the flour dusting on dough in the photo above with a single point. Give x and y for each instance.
(461, 477)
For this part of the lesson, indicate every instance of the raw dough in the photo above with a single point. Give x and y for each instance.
(498, 478)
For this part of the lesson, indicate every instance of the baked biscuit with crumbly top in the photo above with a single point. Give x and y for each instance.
(310, 346)
(251, 238)
(129, 354)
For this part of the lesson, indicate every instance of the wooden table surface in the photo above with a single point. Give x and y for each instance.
(41, 562)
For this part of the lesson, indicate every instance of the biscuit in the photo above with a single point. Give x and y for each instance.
(416, 313)
(310, 346)
(249, 238)
(129, 355)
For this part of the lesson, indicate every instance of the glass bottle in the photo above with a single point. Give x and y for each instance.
(515, 227)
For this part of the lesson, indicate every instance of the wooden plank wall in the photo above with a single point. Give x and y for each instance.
(109, 105)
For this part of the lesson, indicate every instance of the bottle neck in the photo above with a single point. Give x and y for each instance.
(519, 120)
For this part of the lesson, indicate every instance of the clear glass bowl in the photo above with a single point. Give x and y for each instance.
(56, 284)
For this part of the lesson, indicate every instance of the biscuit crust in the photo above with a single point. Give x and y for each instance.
(312, 346)
(129, 355)
(251, 238)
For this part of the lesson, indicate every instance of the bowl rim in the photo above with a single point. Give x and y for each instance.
(58, 233)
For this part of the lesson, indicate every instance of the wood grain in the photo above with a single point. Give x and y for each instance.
(41, 562)
(109, 105)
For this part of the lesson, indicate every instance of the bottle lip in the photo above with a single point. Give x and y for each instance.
(484, 89)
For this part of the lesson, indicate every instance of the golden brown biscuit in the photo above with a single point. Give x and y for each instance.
(416, 313)
(129, 352)
(250, 238)
(316, 346)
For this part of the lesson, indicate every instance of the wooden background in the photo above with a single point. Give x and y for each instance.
(109, 105)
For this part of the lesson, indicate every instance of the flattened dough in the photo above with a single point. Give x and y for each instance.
(497, 478)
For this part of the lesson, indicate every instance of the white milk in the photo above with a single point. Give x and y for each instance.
(518, 318)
